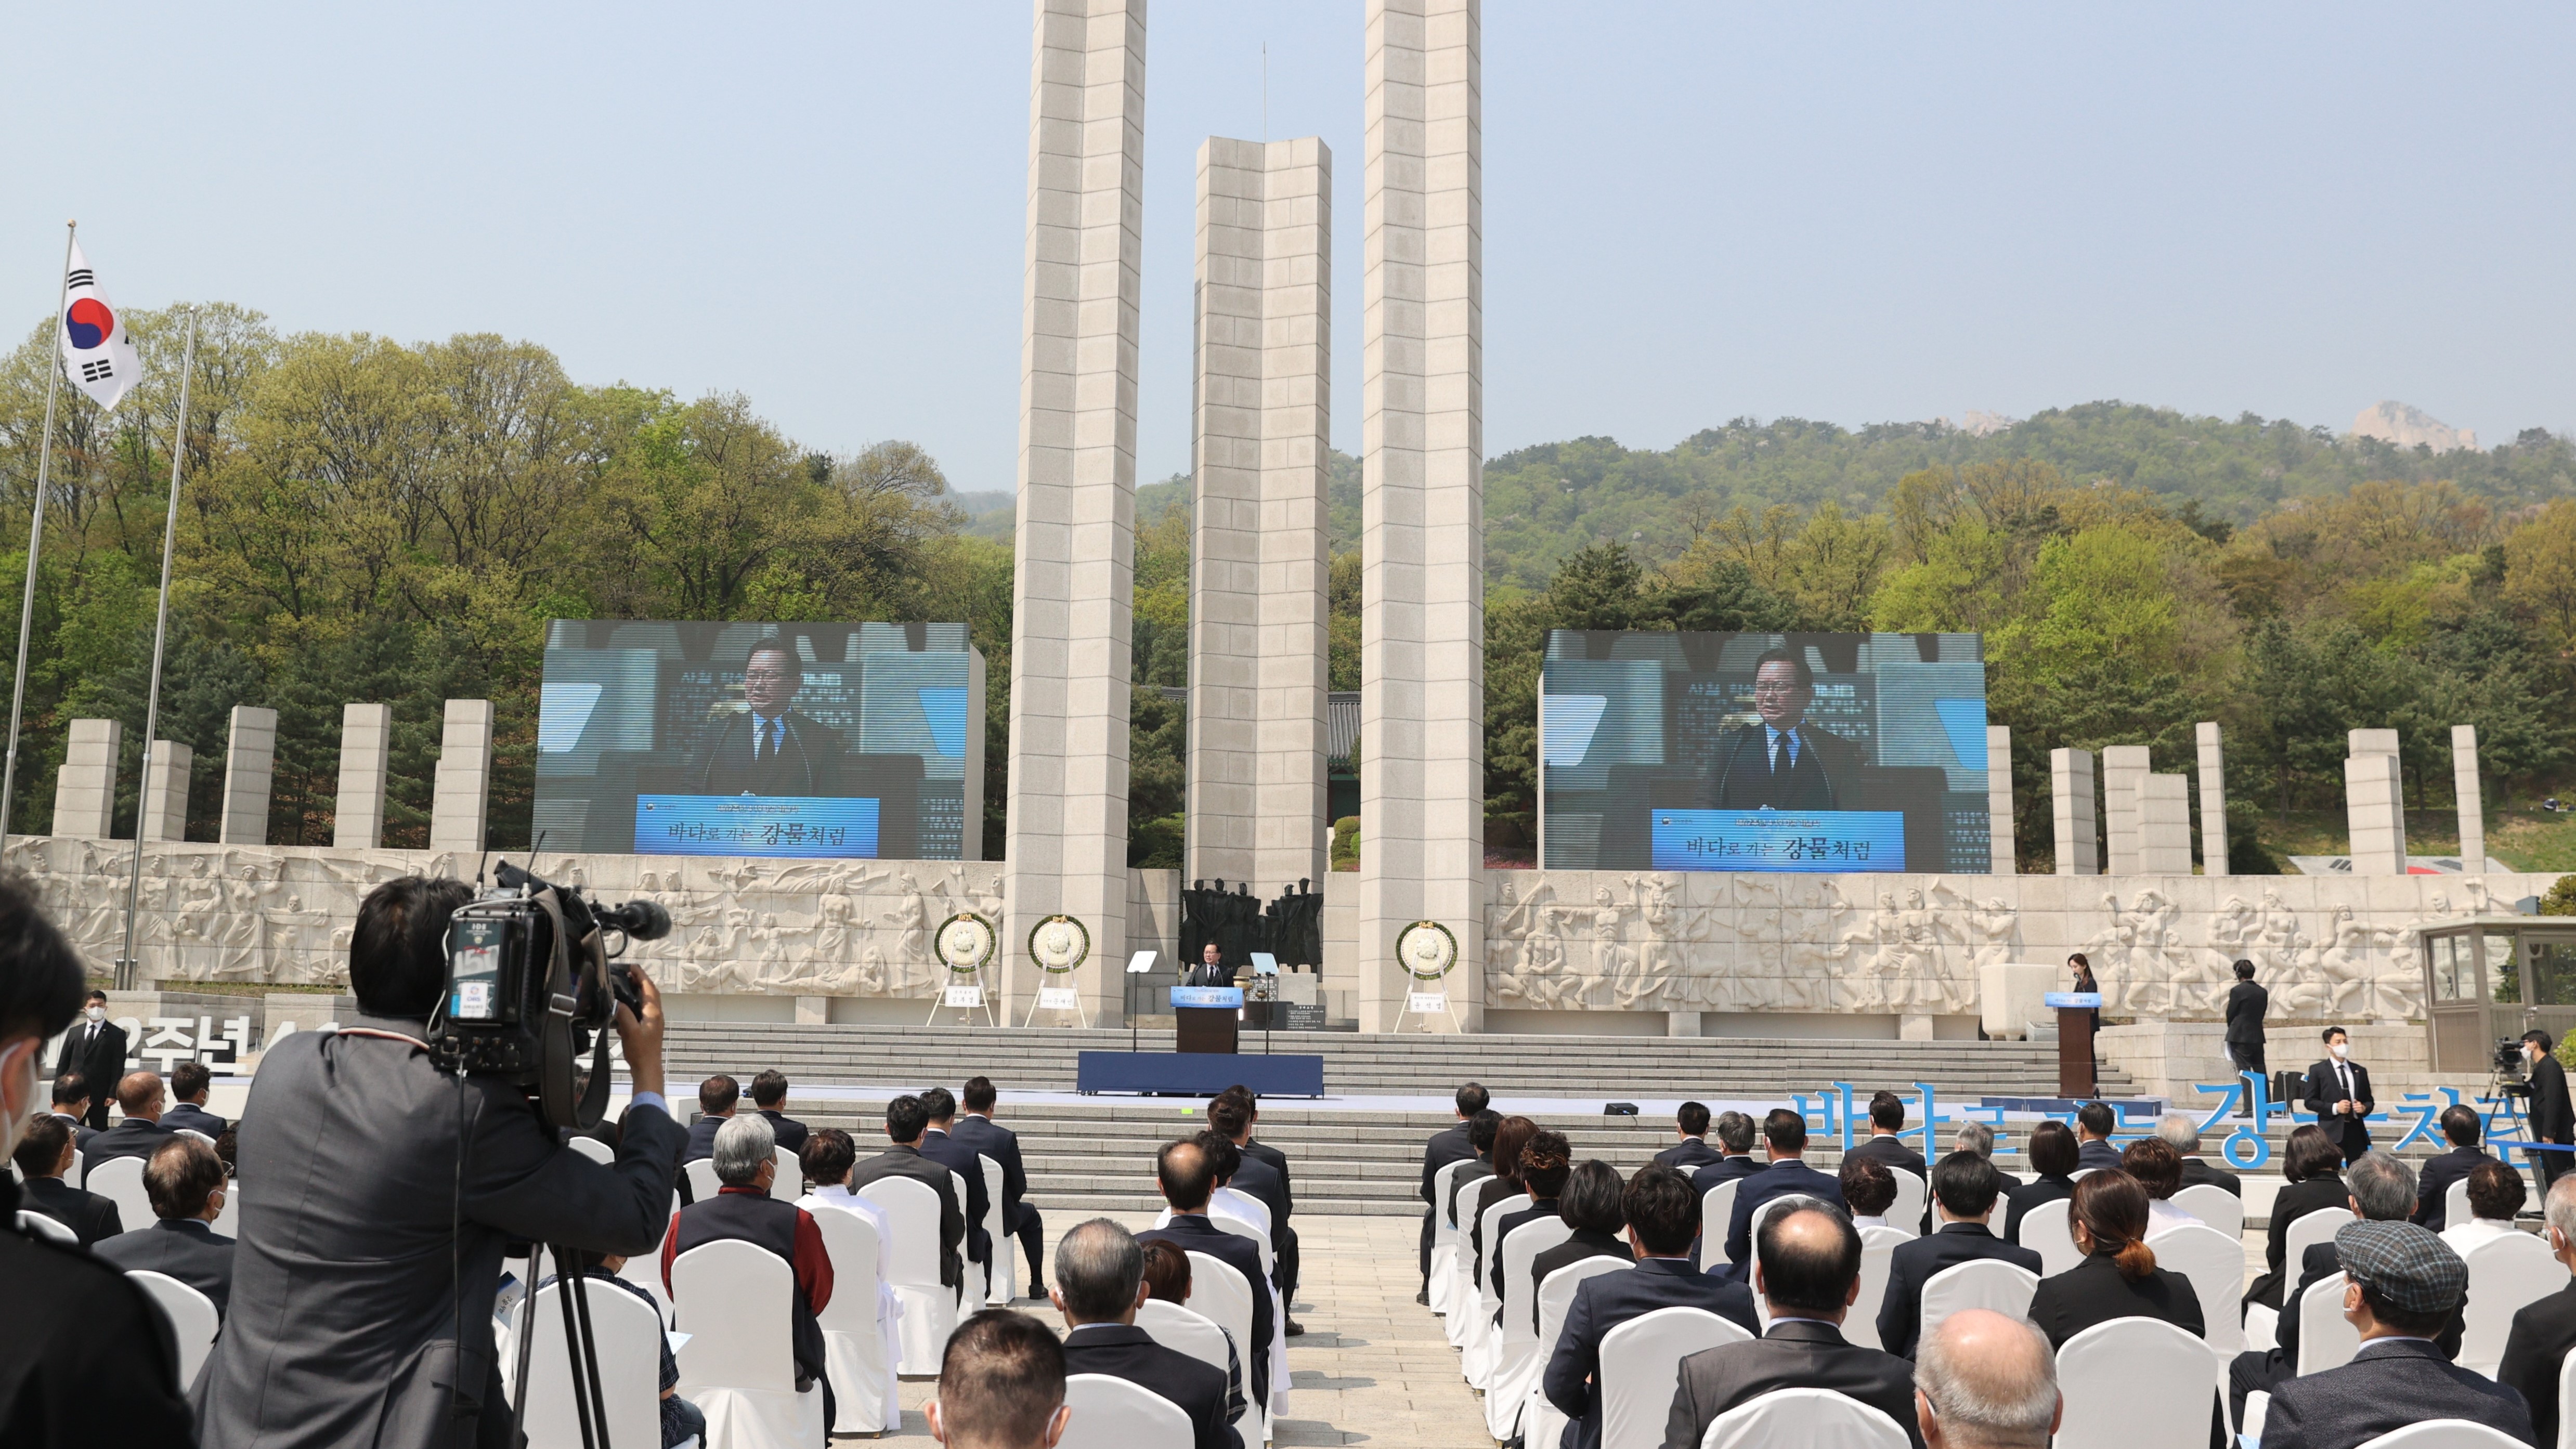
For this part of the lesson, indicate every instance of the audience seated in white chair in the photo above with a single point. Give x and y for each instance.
(1964, 1188)
(2495, 1194)
(1001, 1385)
(44, 1157)
(746, 1159)
(1099, 1286)
(186, 1183)
(2536, 1348)
(1984, 1380)
(1661, 1209)
(866, 1359)
(1869, 1191)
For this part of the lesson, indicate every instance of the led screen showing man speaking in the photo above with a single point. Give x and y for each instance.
(1795, 752)
(815, 740)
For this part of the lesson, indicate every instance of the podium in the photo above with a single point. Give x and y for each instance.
(1208, 1018)
(2074, 1009)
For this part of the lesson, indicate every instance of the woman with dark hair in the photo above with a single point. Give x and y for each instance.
(2083, 969)
(2158, 1169)
(1509, 1138)
(2314, 1165)
(825, 1161)
(1590, 1206)
(2052, 1154)
(2118, 1277)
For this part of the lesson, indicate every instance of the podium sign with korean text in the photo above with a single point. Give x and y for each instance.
(1818, 841)
(765, 825)
(1207, 996)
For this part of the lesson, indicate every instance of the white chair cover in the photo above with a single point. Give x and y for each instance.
(789, 1184)
(1542, 1422)
(1183, 1330)
(1219, 1293)
(1241, 1229)
(626, 1331)
(227, 1223)
(2258, 1405)
(39, 1225)
(2505, 1275)
(645, 1270)
(601, 1153)
(1877, 1260)
(192, 1132)
(2215, 1264)
(1111, 1413)
(1808, 1418)
(2215, 1206)
(1984, 1283)
(1641, 1366)
(1483, 1351)
(739, 1366)
(1462, 1287)
(703, 1182)
(2311, 1229)
(1444, 1231)
(2326, 1339)
(1002, 1275)
(2455, 1204)
(2044, 1231)
(856, 1357)
(120, 1181)
(2079, 1174)
(2139, 1383)
(929, 1308)
(2566, 1387)
(970, 1279)
(1716, 1210)
(1912, 1194)
(2442, 1434)
(192, 1316)
(1518, 1364)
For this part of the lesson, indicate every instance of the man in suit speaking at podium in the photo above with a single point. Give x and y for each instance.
(1783, 762)
(1212, 969)
(770, 748)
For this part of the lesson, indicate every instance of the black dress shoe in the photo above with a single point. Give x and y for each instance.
(1423, 1297)
(1295, 1328)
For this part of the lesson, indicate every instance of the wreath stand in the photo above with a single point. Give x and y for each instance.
(1058, 945)
(965, 943)
(1428, 952)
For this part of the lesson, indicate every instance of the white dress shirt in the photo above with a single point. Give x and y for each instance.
(2476, 1232)
(1869, 1220)
(2162, 1215)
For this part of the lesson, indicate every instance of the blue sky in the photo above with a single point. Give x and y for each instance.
(1692, 212)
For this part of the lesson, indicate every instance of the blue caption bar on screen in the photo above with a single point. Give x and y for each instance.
(783, 825)
(1792, 840)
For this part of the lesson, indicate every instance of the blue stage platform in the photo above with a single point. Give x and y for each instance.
(1198, 1074)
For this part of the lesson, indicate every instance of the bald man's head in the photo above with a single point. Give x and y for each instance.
(1985, 1381)
(1186, 1176)
(1809, 1256)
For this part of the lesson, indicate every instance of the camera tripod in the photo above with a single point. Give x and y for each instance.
(581, 1350)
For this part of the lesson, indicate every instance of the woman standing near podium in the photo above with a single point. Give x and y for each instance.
(2083, 970)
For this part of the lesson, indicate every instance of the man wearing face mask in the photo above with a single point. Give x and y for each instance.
(95, 1049)
(52, 1365)
(2339, 1094)
(2553, 1118)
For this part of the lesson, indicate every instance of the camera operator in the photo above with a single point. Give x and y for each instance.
(378, 1194)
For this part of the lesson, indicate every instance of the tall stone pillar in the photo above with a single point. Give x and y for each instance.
(1999, 800)
(2164, 825)
(165, 791)
(1065, 850)
(1422, 620)
(2070, 779)
(2124, 775)
(2472, 801)
(1258, 566)
(2375, 804)
(85, 787)
(366, 741)
(463, 789)
(250, 772)
(2213, 799)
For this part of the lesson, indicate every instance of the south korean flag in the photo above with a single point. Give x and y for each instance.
(98, 353)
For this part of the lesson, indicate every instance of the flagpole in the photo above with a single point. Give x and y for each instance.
(127, 967)
(36, 536)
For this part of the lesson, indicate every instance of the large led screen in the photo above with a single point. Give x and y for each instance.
(768, 739)
(1773, 752)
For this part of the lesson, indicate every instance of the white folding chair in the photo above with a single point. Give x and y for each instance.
(2140, 1383)
(645, 1269)
(2215, 1264)
(626, 1331)
(1444, 1230)
(2455, 1204)
(1808, 1418)
(1462, 1275)
(2081, 1173)
(789, 1184)
(2443, 1434)
(120, 1181)
(1248, 1230)
(41, 1226)
(970, 1277)
(227, 1223)
(193, 1320)
(1984, 1283)
(1483, 1350)
(739, 1365)
(1002, 1275)
(1219, 1293)
(703, 1182)
(1542, 1422)
(1518, 1363)
(2505, 1275)
(1912, 1193)
(1877, 1260)
(856, 1357)
(2215, 1206)
(596, 1150)
(1111, 1413)
(2044, 1231)
(1641, 1366)
(192, 1132)
(2311, 1229)
(912, 1267)
(1716, 1210)
(2326, 1339)
(1183, 1330)
(2566, 1387)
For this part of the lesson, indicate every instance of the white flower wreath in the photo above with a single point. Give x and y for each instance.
(1427, 950)
(965, 941)
(1058, 944)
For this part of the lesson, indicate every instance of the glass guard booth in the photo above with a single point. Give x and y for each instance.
(2490, 978)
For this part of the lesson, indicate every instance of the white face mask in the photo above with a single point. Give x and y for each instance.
(2338, 1049)
(96, 1013)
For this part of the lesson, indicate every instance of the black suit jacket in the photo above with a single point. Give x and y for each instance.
(941, 1148)
(101, 1372)
(2534, 1350)
(2246, 1003)
(86, 1213)
(1586, 1243)
(1260, 1151)
(1900, 1313)
(184, 1248)
(905, 1161)
(789, 1132)
(1261, 1182)
(2317, 1262)
(190, 1116)
(1540, 1210)
(1742, 777)
(2295, 1202)
(1895, 1153)
(2347, 1132)
(1123, 1351)
(82, 1132)
(2553, 1118)
(1446, 1146)
(1689, 1155)
(1787, 1177)
(1193, 1233)
(1572, 1380)
(2196, 1171)
(1003, 1146)
(132, 1137)
(1725, 1169)
(2096, 1153)
(808, 761)
(101, 1060)
(2031, 1194)
(1797, 1353)
(2391, 1383)
(2433, 1184)
(2093, 1292)
(702, 1138)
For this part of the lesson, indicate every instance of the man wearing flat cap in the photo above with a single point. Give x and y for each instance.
(2403, 1284)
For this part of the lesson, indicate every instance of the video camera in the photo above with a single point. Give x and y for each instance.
(531, 985)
